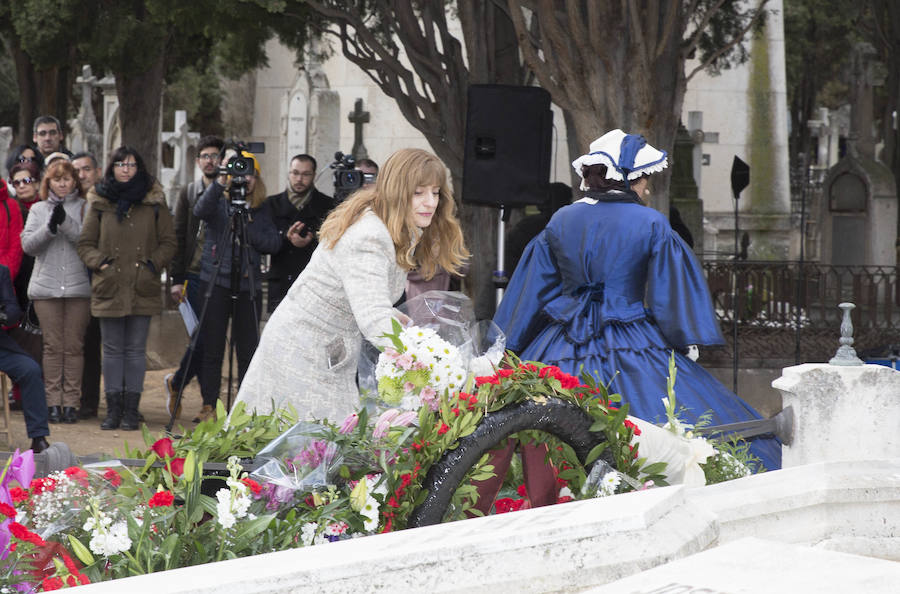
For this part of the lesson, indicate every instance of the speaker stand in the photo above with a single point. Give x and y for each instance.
(500, 277)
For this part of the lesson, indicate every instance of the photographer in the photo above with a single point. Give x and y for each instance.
(221, 209)
(298, 213)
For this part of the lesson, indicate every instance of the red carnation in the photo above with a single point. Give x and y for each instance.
(163, 448)
(7, 510)
(161, 499)
(22, 533)
(42, 485)
(443, 428)
(549, 371)
(522, 491)
(632, 426)
(252, 485)
(528, 367)
(455, 411)
(487, 379)
(505, 372)
(18, 494)
(113, 477)
(464, 396)
(392, 502)
(52, 583)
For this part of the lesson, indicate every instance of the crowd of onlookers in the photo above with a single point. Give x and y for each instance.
(82, 252)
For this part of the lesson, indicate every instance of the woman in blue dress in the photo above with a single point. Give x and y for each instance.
(609, 287)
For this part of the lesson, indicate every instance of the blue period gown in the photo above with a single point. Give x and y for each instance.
(577, 298)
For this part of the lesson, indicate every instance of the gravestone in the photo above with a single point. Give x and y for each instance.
(86, 134)
(112, 130)
(859, 218)
(6, 136)
(358, 117)
(298, 108)
(683, 189)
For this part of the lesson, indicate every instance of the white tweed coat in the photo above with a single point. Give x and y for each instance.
(308, 353)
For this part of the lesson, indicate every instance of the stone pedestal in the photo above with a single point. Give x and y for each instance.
(841, 413)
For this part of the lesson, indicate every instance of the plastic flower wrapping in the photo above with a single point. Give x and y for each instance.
(434, 351)
(299, 460)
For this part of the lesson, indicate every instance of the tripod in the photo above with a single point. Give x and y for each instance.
(236, 236)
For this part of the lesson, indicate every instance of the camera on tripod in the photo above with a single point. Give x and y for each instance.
(239, 167)
(347, 178)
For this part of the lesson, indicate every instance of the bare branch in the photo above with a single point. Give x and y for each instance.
(701, 27)
(737, 39)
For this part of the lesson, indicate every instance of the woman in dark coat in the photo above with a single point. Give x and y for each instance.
(127, 239)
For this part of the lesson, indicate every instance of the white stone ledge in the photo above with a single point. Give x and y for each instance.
(851, 506)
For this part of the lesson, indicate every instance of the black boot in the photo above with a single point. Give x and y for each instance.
(69, 415)
(39, 444)
(132, 418)
(114, 403)
(54, 414)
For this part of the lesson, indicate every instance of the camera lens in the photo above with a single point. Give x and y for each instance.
(240, 166)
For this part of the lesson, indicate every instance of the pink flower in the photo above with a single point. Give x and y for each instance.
(349, 424)
(408, 387)
(419, 365)
(429, 397)
(405, 419)
(405, 361)
(384, 423)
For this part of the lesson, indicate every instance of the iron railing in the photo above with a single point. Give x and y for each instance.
(788, 313)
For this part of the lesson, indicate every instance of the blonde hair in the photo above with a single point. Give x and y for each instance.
(440, 245)
(57, 169)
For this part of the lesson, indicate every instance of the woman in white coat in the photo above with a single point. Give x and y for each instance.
(59, 287)
(308, 353)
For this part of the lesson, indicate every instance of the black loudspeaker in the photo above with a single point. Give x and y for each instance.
(508, 137)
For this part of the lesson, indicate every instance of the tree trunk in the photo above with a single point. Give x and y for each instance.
(140, 102)
(41, 92)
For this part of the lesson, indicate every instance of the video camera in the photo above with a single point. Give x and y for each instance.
(239, 167)
(347, 178)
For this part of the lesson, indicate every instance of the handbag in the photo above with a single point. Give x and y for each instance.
(28, 334)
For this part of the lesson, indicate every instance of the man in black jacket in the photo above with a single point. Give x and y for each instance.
(185, 267)
(21, 368)
(298, 213)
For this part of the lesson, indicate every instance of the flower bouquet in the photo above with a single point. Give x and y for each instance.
(435, 352)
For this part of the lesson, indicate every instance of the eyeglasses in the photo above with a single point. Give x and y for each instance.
(208, 156)
(125, 164)
(43, 133)
(23, 182)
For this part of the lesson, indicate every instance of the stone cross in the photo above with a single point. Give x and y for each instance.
(863, 77)
(181, 140)
(91, 137)
(358, 117)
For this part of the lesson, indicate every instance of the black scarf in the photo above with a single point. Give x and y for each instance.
(125, 194)
(613, 196)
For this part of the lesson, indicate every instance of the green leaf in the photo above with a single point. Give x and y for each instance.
(81, 551)
(595, 452)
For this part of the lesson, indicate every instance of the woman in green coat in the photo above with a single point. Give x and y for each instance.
(126, 241)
